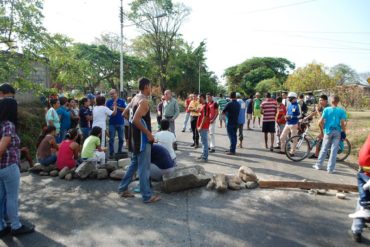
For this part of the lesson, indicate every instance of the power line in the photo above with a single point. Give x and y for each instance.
(279, 7)
(319, 32)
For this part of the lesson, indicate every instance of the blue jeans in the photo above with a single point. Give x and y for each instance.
(85, 132)
(231, 132)
(358, 224)
(139, 162)
(204, 139)
(330, 140)
(112, 134)
(9, 188)
(362, 178)
(187, 116)
(48, 160)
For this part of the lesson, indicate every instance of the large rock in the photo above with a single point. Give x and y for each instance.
(84, 169)
(68, 177)
(185, 178)
(102, 174)
(64, 172)
(54, 173)
(117, 174)
(246, 174)
(123, 163)
(233, 182)
(220, 182)
(110, 166)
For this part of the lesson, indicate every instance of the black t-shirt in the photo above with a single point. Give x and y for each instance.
(232, 112)
(84, 112)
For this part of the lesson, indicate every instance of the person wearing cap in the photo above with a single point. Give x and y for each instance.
(333, 128)
(291, 126)
(241, 118)
(116, 121)
(257, 109)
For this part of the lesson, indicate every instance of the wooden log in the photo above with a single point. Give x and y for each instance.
(307, 185)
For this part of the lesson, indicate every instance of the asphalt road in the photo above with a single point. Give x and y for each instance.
(90, 213)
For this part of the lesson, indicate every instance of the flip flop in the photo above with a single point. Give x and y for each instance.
(127, 194)
(153, 199)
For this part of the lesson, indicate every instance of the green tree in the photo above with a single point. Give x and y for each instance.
(160, 21)
(344, 74)
(268, 85)
(21, 30)
(244, 77)
(311, 77)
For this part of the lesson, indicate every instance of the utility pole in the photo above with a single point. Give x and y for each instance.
(121, 52)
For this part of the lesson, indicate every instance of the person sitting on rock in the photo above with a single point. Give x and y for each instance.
(166, 138)
(91, 149)
(68, 151)
(161, 162)
(47, 146)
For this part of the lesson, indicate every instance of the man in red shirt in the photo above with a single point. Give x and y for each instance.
(363, 204)
(280, 119)
(268, 109)
(213, 108)
(187, 111)
(203, 123)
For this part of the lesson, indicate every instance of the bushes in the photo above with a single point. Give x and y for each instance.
(31, 118)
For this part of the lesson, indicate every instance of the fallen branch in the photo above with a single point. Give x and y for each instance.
(307, 185)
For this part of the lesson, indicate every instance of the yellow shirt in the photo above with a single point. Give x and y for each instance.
(194, 108)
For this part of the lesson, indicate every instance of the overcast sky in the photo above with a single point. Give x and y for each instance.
(325, 31)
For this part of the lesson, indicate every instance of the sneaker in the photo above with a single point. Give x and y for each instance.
(199, 158)
(367, 185)
(5, 231)
(315, 166)
(331, 171)
(192, 145)
(212, 150)
(23, 230)
(362, 213)
(357, 237)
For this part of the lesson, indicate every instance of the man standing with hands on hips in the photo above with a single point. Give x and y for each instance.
(170, 111)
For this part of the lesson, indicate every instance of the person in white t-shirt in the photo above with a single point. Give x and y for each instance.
(166, 138)
(100, 114)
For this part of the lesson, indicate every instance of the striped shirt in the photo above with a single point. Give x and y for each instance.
(269, 109)
(12, 153)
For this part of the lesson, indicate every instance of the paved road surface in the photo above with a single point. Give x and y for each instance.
(90, 213)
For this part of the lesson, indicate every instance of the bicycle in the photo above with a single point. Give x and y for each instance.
(305, 142)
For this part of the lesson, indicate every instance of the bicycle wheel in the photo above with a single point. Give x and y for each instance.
(302, 149)
(344, 150)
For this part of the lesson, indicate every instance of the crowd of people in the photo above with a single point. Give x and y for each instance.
(76, 131)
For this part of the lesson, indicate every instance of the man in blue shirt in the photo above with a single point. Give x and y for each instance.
(292, 116)
(116, 122)
(65, 118)
(333, 127)
(231, 111)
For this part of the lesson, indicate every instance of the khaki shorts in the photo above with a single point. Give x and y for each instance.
(257, 113)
